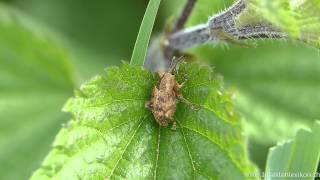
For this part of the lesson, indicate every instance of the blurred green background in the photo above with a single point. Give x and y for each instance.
(48, 47)
(99, 33)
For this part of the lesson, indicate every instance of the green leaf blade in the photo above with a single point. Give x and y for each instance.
(114, 136)
(142, 42)
(302, 155)
(36, 77)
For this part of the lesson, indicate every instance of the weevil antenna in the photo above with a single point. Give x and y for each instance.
(174, 62)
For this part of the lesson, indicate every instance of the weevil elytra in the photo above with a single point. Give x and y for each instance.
(165, 96)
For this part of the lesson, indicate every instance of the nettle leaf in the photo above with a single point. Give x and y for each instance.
(276, 83)
(35, 79)
(112, 134)
(299, 18)
(299, 157)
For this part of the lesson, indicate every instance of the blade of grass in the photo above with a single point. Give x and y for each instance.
(301, 155)
(142, 42)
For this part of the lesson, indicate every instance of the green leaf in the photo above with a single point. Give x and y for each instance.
(112, 134)
(276, 86)
(35, 79)
(299, 18)
(302, 155)
(141, 46)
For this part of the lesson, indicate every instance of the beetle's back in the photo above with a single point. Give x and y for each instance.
(164, 100)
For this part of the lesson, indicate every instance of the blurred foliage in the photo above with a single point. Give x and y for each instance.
(36, 77)
(277, 86)
(297, 155)
(99, 33)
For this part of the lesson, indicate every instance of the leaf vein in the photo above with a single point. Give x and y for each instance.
(214, 142)
(189, 153)
(126, 147)
(114, 102)
(158, 152)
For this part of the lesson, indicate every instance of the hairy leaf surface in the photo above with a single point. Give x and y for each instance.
(112, 134)
(35, 80)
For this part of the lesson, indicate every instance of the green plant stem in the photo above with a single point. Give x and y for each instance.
(142, 42)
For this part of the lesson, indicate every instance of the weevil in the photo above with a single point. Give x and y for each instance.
(165, 97)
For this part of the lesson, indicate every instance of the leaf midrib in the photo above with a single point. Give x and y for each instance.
(188, 150)
(157, 153)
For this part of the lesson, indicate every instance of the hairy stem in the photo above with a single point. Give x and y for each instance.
(222, 27)
(202, 34)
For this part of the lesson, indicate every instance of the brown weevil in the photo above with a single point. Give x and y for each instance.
(165, 96)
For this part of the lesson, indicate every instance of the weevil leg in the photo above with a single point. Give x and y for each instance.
(174, 125)
(179, 86)
(174, 63)
(188, 103)
(148, 105)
